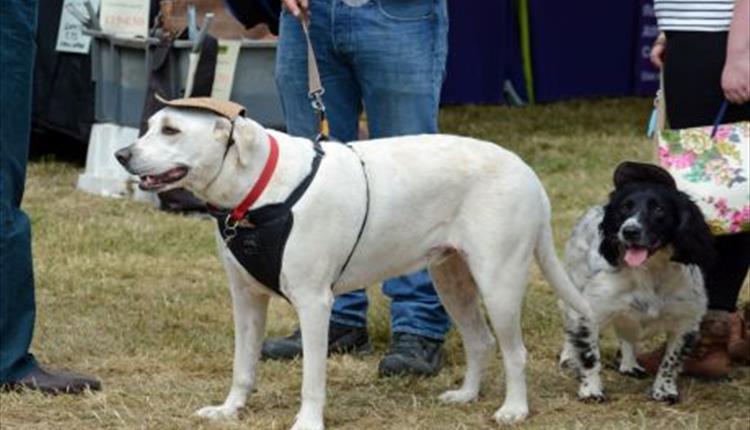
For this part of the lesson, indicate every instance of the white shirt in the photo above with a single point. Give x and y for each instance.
(694, 15)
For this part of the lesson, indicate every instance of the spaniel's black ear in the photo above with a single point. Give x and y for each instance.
(609, 247)
(693, 242)
(631, 171)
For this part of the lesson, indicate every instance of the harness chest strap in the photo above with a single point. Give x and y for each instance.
(364, 217)
(257, 237)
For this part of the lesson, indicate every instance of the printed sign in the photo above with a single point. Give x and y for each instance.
(125, 17)
(646, 74)
(226, 63)
(70, 37)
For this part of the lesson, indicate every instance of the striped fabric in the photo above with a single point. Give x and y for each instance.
(694, 15)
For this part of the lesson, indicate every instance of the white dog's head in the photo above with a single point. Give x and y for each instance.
(183, 148)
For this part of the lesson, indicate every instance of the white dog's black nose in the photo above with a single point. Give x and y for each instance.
(123, 155)
(631, 232)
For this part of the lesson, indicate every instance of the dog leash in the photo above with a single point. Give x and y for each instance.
(314, 85)
(315, 93)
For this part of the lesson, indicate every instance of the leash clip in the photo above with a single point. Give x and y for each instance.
(231, 225)
(230, 229)
(316, 100)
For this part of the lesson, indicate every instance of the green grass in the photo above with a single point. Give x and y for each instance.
(137, 297)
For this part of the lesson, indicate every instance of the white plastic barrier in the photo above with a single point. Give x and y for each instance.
(104, 176)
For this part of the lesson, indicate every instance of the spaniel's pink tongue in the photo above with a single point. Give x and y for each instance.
(635, 256)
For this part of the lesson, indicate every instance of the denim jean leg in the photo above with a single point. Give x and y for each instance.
(415, 307)
(291, 79)
(17, 306)
(350, 309)
(342, 98)
(400, 52)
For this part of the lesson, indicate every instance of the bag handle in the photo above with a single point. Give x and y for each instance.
(660, 104)
(658, 118)
(719, 117)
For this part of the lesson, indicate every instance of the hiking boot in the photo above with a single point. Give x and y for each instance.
(412, 355)
(739, 337)
(709, 358)
(342, 339)
(53, 382)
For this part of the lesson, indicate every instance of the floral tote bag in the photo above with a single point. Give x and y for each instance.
(711, 164)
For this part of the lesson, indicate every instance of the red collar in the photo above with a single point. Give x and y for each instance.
(260, 185)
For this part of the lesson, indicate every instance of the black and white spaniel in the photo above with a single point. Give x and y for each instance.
(638, 260)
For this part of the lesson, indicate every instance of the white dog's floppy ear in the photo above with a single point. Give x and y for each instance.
(222, 130)
(244, 137)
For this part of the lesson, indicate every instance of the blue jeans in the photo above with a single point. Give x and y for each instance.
(388, 58)
(17, 306)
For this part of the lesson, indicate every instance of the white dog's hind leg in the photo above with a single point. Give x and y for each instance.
(250, 310)
(502, 281)
(507, 323)
(460, 297)
(314, 311)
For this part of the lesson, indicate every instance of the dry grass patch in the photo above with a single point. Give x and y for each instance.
(138, 297)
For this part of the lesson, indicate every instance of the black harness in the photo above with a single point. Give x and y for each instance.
(257, 237)
(257, 241)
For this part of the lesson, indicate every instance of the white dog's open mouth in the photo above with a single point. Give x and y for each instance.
(155, 182)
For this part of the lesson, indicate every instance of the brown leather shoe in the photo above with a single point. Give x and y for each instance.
(739, 337)
(54, 382)
(709, 358)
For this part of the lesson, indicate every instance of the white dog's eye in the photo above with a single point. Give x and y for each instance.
(169, 131)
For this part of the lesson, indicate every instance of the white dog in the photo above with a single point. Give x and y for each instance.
(472, 212)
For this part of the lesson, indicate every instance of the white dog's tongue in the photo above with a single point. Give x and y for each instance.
(635, 256)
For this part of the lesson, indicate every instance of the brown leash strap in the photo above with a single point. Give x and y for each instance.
(315, 87)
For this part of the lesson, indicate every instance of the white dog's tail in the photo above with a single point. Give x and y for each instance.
(553, 270)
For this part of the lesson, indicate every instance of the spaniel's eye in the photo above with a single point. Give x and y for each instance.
(169, 131)
(658, 211)
(626, 206)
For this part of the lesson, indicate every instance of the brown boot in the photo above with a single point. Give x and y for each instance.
(739, 337)
(709, 357)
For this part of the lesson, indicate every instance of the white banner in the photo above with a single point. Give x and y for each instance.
(226, 63)
(125, 17)
(70, 37)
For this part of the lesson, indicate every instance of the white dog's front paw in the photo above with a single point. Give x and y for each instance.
(510, 414)
(458, 396)
(218, 412)
(308, 425)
